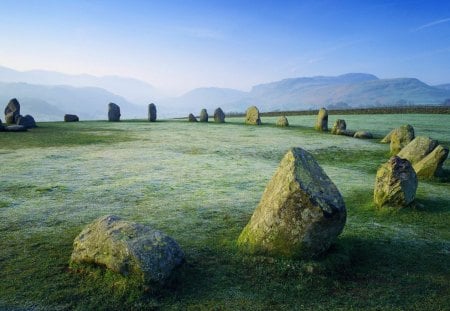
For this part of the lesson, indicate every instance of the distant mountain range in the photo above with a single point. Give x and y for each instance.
(49, 95)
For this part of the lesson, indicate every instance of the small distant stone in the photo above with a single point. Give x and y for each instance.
(128, 248)
(27, 121)
(192, 118)
(300, 214)
(431, 165)
(282, 121)
(348, 133)
(252, 116)
(339, 125)
(363, 134)
(417, 149)
(113, 112)
(400, 137)
(16, 128)
(204, 116)
(395, 183)
(219, 116)
(71, 118)
(152, 112)
(322, 120)
(12, 111)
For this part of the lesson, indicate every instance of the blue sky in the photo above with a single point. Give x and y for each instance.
(180, 45)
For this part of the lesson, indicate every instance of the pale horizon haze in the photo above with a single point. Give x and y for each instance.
(180, 45)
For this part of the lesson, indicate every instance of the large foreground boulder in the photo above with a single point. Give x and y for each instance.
(12, 111)
(395, 183)
(282, 121)
(417, 149)
(252, 116)
(204, 116)
(300, 214)
(71, 118)
(152, 112)
(322, 120)
(113, 112)
(128, 248)
(400, 137)
(431, 164)
(192, 118)
(219, 115)
(339, 125)
(27, 121)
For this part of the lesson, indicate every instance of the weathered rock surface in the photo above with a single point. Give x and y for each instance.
(204, 116)
(12, 111)
(15, 128)
(400, 137)
(339, 125)
(363, 134)
(152, 112)
(417, 149)
(219, 116)
(300, 214)
(395, 183)
(348, 133)
(431, 164)
(128, 248)
(322, 120)
(252, 116)
(282, 121)
(113, 112)
(192, 118)
(27, 121)
(71, 118)
(387, 138)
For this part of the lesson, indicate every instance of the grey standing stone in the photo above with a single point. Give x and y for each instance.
(12, 111)
(71, 118)
(300, 214)
(192, 118)
(27, 121)
(128, 248)
(152, 112)
(252, 116)
(322, 120)
(113, 112)
(219, 116)
(204, 115)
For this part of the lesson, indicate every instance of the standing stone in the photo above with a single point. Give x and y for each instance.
(339, 125)
(282, 121)
(204, 115)
(417, 149)
(128, 248)
(152, 112)
(252, 116)
(219, 116)
(395, 183)
(363, 134)
(400, 137)
(431, 165)
(322, 120)
(300, 214)
(113, 112)
(27, 121)
(12, 111)
(71, 118)
(192, 118)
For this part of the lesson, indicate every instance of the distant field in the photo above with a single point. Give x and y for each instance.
(200, 184)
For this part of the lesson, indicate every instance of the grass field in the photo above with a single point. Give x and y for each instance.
(200, 183)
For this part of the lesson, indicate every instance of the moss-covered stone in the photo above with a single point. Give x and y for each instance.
(322, 120)
(400, 137)
(339, 125)
(395, 183)
(431, 165)
(300, 214)
(12, 111)
(282, 121)
(252, 116)
(417, 149)
(128, 248)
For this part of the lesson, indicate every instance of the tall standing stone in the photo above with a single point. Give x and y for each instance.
(252, 116)
(339, 126)
(219, 115)
(400, 137)
(300, 214)
(113, 112)
(322, 120)
(2, 128)
(395, 183)
(12, 111)
(152, 112)
(204, 116)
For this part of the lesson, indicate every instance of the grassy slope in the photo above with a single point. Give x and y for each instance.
(200, 184)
